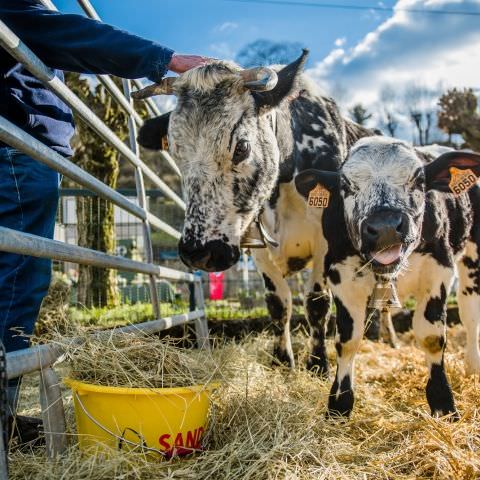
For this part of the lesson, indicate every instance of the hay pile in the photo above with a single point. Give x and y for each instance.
(53, 316)
(270, 424)
(139, 361)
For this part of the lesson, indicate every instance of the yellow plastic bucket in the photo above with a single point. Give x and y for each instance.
(168, 421)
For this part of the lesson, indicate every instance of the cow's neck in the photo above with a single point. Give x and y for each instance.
(311, 133)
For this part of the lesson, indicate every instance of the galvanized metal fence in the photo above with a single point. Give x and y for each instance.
(41, 358)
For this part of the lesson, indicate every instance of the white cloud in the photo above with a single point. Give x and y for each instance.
(408, 47)
(226, 27)
(339, 42)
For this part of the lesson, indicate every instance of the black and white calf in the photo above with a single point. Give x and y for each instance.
(391, 209)
(238, 143)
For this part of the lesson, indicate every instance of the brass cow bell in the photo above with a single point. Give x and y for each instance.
(384, 296)
(253, 237)
(256, 236)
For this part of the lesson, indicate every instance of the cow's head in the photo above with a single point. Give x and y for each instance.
(383, 185)
(222, 135)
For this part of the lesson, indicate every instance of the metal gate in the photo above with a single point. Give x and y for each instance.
(41, 358)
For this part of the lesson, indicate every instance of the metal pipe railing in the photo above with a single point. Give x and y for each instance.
(24, 55)
(91, 12)
(42, 358)
(107, 82)
(16, 137)
(115, 91)
(142, 201)
(27, 244)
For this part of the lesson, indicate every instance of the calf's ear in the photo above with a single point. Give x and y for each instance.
(153, 132)
(308, 179)
(287, 78)
(438, 174)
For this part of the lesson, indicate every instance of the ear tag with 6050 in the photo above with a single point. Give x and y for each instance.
(318, 197)
(461, 180)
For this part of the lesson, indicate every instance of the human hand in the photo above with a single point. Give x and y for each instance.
(182, 63)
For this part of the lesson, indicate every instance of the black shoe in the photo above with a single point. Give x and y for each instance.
(25, 432)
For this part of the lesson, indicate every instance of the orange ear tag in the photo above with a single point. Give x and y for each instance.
(461, 180)
(318, 197)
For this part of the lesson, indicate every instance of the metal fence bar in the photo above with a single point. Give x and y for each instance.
(91, 12)
(53, 414)
(26, 244)
(16, 137)
(115, 91)
(3, 414)
(12, 135)
(40, 357)
(142, 201)
(106, 80)
(201, 323)
(29, 360)
(24, 55)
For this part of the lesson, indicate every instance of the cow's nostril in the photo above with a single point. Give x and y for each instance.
(372, 231)
(399, 227)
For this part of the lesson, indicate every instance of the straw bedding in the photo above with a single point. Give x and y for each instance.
(269, 424)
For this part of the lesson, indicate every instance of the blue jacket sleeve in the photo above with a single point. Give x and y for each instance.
(79, 44)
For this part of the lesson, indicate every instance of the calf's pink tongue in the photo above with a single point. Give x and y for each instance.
(389, 255)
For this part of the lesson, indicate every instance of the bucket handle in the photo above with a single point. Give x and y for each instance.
(121, 439)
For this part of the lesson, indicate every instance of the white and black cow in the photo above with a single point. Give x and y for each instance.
(391, 208)
(238, 149)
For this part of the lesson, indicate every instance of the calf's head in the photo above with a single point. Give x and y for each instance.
(222, 135)
(383, 186)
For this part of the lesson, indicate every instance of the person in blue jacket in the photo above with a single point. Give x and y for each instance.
(29, 190)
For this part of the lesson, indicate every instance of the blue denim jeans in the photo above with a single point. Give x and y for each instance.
(29, 194)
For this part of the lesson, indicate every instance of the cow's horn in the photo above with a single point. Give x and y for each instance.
(165, 87)
(259, 79)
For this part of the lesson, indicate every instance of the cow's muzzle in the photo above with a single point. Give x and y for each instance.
(384, 234)
(213, 256)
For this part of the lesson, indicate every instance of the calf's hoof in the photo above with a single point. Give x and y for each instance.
(336, 415)
(452, 416)
(318, 366)
(282, 358)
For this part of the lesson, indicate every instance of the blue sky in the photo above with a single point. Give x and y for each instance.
(222, 27)
(355, 54)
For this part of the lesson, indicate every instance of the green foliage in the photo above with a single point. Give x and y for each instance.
(459, 114)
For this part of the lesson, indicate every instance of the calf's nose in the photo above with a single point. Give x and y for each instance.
(384, 228)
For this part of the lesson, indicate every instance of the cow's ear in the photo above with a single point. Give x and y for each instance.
(287, 78)
(440, 174)
(307, 180)
(153, 132)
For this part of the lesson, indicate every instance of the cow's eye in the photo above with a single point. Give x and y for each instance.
(347, 186)
(242, 151)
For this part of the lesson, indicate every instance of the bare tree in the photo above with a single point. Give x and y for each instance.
(419, 102)
(360, 114)
(388, 109)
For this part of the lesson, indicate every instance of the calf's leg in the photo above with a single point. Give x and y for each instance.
(317, 312)
(429, 326)
(278, 298)
(350, 327)
(468, 298)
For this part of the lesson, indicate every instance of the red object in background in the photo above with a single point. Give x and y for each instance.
(216, 285)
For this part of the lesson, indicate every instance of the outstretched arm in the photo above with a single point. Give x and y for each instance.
(79, 44)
